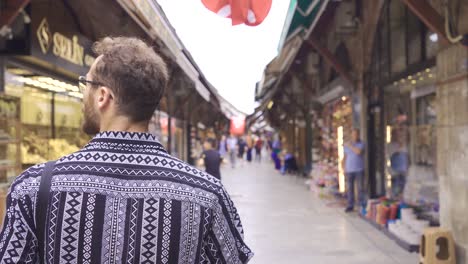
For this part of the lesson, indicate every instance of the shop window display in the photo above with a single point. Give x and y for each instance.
(178, 139)
(398, 160)
(335, 126)
(397, 141)
(50, 116)
(10, 132)
(411, 148)
(158, 126)
(423, 181)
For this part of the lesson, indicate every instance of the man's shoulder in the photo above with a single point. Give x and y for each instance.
(163, 165)
(34, 173)
(28, 181)
(190, 174)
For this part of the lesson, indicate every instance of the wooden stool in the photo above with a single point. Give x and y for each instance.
(437, 247)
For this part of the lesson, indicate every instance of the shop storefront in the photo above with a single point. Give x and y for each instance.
(49, 118)
(410, 141)
(173, 138)
(403, 182)
(199, 133)
(179, 144)
(334, 126)
(40, 100)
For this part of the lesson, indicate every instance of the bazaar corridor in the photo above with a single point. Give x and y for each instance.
(286, 223)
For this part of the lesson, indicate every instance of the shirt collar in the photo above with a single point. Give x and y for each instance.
(122, 140)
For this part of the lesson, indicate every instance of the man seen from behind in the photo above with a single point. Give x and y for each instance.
(122, 198)
(211, 158)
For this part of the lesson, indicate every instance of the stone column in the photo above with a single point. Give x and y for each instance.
(452, 143)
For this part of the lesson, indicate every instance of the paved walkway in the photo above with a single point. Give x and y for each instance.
(286, 223)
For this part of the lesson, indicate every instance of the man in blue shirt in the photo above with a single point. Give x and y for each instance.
(353, 164)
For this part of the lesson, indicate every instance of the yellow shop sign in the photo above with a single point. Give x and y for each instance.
(68, 49)
(64, 47)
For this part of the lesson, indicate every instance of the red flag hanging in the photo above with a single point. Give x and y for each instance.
(249, 12)
(237, 125)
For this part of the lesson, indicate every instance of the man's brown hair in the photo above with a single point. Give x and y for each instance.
(134, 72)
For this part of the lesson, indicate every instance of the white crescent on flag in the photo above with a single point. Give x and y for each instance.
(249, 12)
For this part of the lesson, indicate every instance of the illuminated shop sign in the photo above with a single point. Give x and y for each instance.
(67, 48)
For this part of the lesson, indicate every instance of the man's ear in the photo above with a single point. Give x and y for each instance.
(104, 97)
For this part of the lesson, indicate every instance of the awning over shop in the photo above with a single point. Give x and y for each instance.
(229, 110)
(151, 13)
(335, 89)
(277, 66)
(301, 18)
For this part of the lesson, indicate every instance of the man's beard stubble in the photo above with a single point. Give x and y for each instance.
(91, 123)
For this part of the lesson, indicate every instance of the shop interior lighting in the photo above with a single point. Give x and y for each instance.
(389, 140)
(389, 134)
(343, 98)
(76, 94)
(410, 77)
(421, 78)
(389, 181)
(413, 82)
(428, 70)
(270, 104)
(434, 37)
(50, 84)
(431, 76)
(403, 81)
(395, 83)
(341, 176)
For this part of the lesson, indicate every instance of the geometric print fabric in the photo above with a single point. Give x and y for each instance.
(123, 199)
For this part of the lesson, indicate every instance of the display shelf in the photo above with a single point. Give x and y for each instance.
(403, 244)
(6, 142)
(10, 130)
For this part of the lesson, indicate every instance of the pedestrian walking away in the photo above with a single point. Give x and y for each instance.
(212, 159)
(250, 143)
(258, 149)
(223, 146)
(232, 149)
(353, 164)
(241, 145)
(122, 198)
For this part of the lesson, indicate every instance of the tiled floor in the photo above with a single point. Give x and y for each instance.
(286, 223)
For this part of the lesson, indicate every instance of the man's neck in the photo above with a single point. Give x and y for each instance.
(124, 124)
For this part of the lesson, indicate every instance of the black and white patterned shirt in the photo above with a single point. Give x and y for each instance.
(123, 199)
